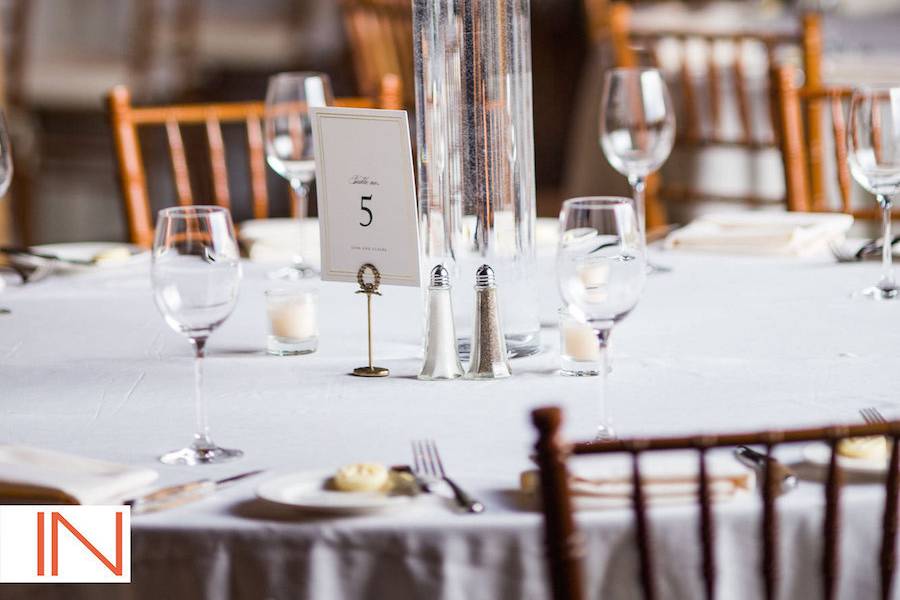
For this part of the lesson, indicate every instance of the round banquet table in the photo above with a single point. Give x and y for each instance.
(87, 366)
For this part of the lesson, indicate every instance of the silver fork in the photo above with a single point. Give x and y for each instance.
(428, 467)
(872, 416)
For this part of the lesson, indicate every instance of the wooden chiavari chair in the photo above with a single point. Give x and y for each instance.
(126, 121)
(380, 34)
(809, 178)
(564, 543)
(700, 97)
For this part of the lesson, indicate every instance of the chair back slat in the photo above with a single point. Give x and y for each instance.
(707, 528)
(563, 543)
(691, 114)
(179, 163)
(839, 131)
(564, 546)
(769, 529)
(126, 121)
(257, 164)
(889, 521)
(792, 136)
(642, 528)
(831, 525)
(743, 101)
(712, 80)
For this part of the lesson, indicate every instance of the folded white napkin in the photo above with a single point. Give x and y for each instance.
(762, 233)
(605, 482)
(281, 240)
(33, 475)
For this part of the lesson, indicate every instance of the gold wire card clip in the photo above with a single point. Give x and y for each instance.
(369, 288)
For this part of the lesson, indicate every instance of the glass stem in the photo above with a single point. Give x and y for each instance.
(202, 440)
(301, 197)
(639, 186)
(887, 255)
(604, 428)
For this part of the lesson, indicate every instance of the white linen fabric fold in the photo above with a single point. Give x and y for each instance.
(604, 482)
(35, 476)
(762, 233)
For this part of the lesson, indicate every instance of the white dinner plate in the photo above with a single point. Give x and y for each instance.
(309, 492)
(819, 453)
(86, 251)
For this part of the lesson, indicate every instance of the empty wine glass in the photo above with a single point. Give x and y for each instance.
(600, 269)
(289, 147)
(6, 173)
(637, 128)
(873, 143)
(196, 273)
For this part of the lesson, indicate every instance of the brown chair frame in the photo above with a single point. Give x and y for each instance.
(626, 40)
(802, 144)
(564, 544)
(127, 119)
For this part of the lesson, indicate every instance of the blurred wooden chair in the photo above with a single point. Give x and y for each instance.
(564, 544)
(381, 40)
(700, 98)
(814, 180)
(127, 120)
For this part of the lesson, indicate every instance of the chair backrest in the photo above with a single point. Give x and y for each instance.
(380, 35)
(812, 121)
(126, 121)
(705, 93)
(564, 544)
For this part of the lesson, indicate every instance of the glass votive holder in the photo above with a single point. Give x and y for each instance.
(293, 321)
(579, 348)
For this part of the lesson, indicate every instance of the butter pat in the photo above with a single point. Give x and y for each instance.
(362, 477)
(868, 448)
(112, 255)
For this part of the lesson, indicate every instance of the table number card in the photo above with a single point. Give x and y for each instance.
(366, 194)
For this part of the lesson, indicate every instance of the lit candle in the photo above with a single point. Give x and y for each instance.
(580, 342)
(293, 321)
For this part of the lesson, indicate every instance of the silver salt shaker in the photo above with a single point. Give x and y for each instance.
(488, 355)
(441, 355)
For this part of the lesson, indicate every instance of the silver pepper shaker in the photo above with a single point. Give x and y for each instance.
(441, 355)
(488, 356)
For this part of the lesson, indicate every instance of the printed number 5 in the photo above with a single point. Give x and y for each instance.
(362, 207)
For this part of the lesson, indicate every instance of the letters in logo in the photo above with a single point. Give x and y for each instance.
(65, 544)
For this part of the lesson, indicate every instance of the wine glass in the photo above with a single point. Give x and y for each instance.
(288, 134)
(196, 273)
(601, 267)
(6, 173)
(873, 144)
(637, 128)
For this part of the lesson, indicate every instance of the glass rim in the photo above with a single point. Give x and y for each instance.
(635, 70)
(597, 202)
(298, 75)
(185, 212)
(284, 292)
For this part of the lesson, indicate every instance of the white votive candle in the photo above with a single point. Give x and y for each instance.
(293, 321)
(580, 341)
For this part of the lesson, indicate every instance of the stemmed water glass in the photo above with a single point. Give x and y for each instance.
(288, 134)
(873, 143)
(600, 268)
(196, 273)
(637, 128)
(6, 171)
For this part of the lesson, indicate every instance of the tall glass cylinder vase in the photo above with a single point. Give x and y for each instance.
(476, 155)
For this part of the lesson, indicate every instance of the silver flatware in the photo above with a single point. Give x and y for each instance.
(13, 251)
(428, 468)
(872, 416)
(183, 493)
(757, 461)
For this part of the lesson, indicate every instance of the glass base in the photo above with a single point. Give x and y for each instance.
(517, 345)
(200, 456)
(296, 272)
(877, 292)
(282, 346)
(605, 433)
(580, 368)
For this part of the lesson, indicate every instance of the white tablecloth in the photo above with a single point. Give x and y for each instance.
(88, 366)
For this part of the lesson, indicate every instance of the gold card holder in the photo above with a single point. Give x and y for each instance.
(369, 280)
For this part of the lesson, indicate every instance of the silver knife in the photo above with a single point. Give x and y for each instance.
(757, 461)
(183, 493)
